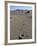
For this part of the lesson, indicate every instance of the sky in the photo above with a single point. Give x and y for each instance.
(21, 7)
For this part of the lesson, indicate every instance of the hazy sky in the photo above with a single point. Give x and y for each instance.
(21, 7)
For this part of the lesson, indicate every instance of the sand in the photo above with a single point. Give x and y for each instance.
(20, 24)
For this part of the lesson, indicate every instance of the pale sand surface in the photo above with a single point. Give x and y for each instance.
(20, 24)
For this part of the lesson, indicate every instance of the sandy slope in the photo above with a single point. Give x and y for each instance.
(20, 24)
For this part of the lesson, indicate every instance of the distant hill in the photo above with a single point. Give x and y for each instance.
(17, 11)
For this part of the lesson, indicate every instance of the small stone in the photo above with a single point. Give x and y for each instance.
(20, 38)
(22, 35)
(23, 24)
